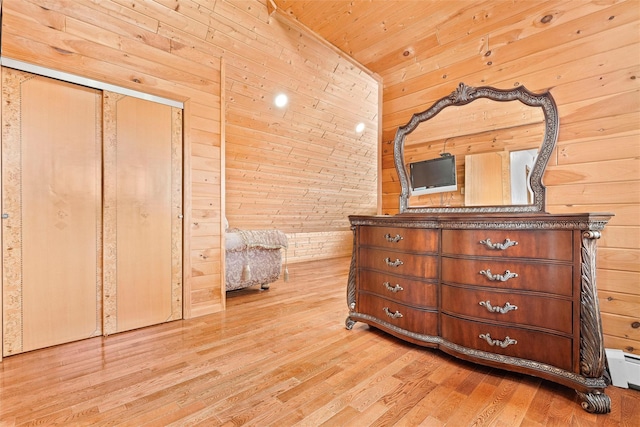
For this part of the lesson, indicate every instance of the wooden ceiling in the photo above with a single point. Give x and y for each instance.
(372, 30)
(384, 35)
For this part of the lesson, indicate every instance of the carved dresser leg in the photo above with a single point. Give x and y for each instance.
(595, 402)
(351, 282)
(593, 360)
(349, 322)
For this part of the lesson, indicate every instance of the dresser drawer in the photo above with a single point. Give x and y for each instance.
(399, 289)
(422, 266)
(540, 244)
(532, 310)
(538, 346)
(541, 277)
(399, 315)
(404, 239)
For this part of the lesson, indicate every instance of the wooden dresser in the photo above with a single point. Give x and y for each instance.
(512, 291)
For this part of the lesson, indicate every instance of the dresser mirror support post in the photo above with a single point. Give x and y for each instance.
(508, 286)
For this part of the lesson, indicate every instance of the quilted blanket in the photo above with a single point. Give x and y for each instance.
(239, 240)
(254, 257)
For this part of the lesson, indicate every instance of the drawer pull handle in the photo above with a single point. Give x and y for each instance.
(395, 315)
(507, 307)
(393, 289)
(396, 263)
(498, 246)
(498, 277)
(395, 239)
(504, 343)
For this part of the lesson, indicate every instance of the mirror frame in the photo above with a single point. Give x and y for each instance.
(464, 95)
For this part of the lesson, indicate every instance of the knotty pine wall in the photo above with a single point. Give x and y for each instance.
(301, 169)
(587, 54)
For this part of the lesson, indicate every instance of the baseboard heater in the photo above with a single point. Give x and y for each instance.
(624, 368)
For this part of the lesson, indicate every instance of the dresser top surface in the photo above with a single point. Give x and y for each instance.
(580, 221)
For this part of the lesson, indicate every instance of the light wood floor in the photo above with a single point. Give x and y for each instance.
(280, 357)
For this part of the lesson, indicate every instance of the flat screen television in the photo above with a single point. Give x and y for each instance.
(433, 176)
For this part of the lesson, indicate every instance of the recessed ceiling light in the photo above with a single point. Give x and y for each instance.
(360, 127)
(281, 100)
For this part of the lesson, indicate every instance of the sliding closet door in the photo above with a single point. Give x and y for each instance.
(142, 213)
(51, 196)
(487, 179)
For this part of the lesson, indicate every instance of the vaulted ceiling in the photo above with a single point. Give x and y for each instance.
(385, 35)
(381, 34)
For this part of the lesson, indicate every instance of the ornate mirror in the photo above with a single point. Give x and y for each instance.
(480, 149)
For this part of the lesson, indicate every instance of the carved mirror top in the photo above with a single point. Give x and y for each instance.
(518, 124)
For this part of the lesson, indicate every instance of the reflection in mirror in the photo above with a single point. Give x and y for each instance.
(521, 163)
(499, 140)
(436, 175)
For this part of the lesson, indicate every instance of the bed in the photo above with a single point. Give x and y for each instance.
(254, 257)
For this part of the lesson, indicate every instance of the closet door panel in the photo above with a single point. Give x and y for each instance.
(487, 179)
(143, 227)
(51, 172)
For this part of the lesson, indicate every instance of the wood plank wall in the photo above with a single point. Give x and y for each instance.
(303, 168)
(588, 55)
